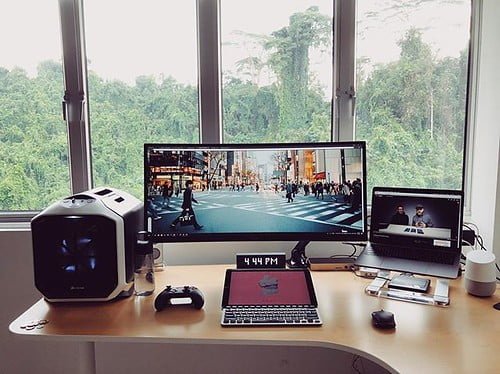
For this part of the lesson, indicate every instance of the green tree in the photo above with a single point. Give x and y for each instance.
(289, 59)
(124, 117)
(412, 114)
(34, 163)
(249, 112)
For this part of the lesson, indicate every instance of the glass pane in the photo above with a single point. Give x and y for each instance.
(33, 139)
(412, 60)
(142, 62)
(277, 70)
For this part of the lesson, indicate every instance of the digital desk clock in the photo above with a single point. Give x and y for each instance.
(260, 261)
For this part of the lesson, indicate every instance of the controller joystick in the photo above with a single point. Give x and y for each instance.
(164, 298)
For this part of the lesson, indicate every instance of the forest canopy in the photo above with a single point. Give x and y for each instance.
(411, 112)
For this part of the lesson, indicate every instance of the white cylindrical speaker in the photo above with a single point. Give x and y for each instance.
(480, 277)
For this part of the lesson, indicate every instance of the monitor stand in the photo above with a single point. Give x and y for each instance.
(298, 257)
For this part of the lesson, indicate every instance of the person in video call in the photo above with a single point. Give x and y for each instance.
(187, 205)
(400, 217)
(420, 219)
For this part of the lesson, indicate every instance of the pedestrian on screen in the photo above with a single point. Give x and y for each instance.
(187, 205)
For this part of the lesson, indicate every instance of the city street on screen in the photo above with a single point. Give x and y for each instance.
(264, 211)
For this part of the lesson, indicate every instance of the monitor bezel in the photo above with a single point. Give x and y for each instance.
(263, 236)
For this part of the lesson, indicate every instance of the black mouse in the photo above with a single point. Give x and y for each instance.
(383, 319)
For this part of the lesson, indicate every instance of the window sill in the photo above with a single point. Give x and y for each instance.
(14, 226)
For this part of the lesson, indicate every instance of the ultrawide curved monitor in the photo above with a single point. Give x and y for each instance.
(242, 192)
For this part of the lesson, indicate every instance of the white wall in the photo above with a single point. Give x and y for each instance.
(496, 234)
(224, 253)
(485, 204)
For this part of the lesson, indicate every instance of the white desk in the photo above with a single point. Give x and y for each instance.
(462, 338)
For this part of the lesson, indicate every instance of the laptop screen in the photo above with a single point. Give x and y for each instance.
(268, 287)
(417, 218)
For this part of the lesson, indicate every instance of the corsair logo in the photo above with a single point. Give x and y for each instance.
(77, 288)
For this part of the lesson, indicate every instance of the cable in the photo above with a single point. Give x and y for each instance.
(474, 232)
(473, 228)
(354, 245)
(479, 241)
(467, 243)
(473, 225)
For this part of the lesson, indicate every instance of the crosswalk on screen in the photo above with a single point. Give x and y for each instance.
(255, 192)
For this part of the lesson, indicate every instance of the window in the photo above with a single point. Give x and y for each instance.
(412, 67)
(185, 71)
(142, 83)
(277, 70)
(33, 140)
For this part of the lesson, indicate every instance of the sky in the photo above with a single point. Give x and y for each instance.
(29, 33)
(128, 38)
(446, 28)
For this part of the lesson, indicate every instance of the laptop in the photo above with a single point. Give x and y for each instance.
(271, 297)
(415, 231)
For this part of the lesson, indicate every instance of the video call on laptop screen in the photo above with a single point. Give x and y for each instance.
(417, 219)
(267, 288)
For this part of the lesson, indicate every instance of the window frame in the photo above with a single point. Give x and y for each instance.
(75, 105)
(76, 109)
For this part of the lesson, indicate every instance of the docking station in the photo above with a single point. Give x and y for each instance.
(332, 263)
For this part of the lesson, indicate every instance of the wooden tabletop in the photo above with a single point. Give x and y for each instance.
(463, 337)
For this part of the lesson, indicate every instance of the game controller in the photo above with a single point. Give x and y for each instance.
(164, 298)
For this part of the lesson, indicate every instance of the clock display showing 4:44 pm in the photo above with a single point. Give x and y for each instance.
(261, 260)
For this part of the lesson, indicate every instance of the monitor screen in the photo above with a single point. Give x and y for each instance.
(255, 192)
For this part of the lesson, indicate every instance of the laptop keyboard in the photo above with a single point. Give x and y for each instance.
(420, 255)
(272, 315)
